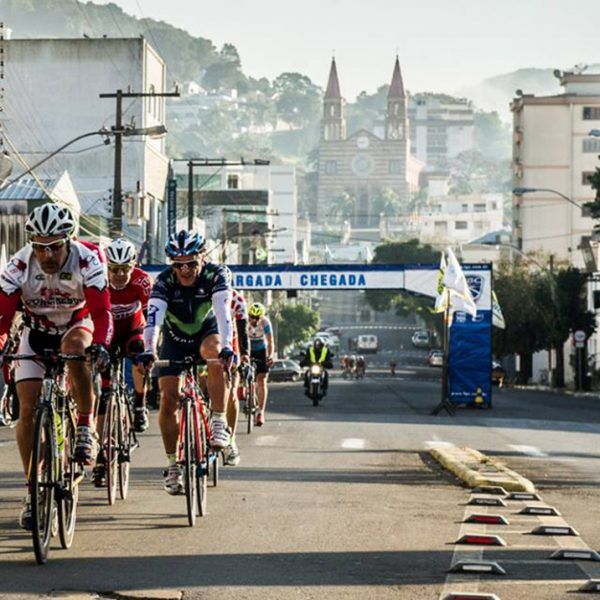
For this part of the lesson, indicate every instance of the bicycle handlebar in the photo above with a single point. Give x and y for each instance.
(45, 358)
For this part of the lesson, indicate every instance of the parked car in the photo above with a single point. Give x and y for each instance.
(421, 339)
(498, 374)
(285, 370)
(435, 358)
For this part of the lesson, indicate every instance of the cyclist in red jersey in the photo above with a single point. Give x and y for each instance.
(63, 289)
(129, 292)
(241, 346)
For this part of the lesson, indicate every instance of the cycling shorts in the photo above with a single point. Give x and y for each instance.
(174, 347)
(259, 357)
(35, 342)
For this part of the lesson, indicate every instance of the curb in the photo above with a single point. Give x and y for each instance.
(476, 469)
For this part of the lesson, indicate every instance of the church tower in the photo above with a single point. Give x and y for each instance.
(334, 124)
(395, 116)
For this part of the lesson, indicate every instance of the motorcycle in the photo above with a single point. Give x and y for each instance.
(315, 384)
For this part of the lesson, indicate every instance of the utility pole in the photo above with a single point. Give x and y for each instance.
(116, 224)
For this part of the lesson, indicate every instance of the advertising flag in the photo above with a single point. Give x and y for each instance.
(497, 316)
(441, 300)
(454, 279)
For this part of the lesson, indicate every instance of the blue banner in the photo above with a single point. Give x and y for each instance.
(470, 359)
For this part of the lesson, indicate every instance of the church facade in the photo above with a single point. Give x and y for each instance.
(362, 164)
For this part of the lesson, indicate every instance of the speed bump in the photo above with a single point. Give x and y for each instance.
(593, 585)
(477, 539)
(554, 530)
(524, 496)
(548, 511)
(477, 566)
(467, 596)
(487, 519)
(496, 490)
(486, 501)
(575, 554)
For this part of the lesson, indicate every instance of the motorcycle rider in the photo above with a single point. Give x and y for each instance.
(318, 354)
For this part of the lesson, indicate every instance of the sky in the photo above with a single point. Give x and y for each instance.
(443, 45)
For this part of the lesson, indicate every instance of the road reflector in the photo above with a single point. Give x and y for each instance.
(554, 530)
(524, 496)
(483, 501)
(484, 518)
(467, 596)
(593, 585)
(575, 554)
(481, 540)
(490, 489)
(540, 510)
(477, 566)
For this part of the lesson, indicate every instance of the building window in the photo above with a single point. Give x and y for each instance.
(332, 111)
(330, 167)
(461, 225)
(233, 181)
(591, 113)
(479, 207)
(590, 145)
(395, 167)
(440, 227)
(465, 208)
(585, 177)
(493, 205)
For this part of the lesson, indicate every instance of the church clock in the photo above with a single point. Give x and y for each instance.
(363, 165)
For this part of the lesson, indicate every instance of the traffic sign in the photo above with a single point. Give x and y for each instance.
(579, 338)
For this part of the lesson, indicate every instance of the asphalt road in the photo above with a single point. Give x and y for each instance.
(339, 501)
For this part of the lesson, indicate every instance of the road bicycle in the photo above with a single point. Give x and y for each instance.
(249, 397)
(119, 440)
(194, 453)
(54, 475)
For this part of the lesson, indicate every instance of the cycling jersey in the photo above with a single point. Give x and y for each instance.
(129, 304)
(258, 333)
(53, 303)
(239, 310)
(183, 310)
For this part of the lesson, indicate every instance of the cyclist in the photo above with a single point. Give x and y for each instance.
(129, 292)
(361, 366)
(262, 351)
(63, 288)
(241, 346)
(191, 304)
(318, 354)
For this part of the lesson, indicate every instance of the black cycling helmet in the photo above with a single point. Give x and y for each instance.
(185, 243)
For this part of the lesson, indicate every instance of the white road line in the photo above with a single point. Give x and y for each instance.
(438, 444)
(528, 450)
(266, 440)
(354, 443)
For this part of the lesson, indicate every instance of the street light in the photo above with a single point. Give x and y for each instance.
(520, 191)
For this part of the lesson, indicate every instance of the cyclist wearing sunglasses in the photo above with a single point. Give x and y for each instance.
(63, 289)
(129, 293)
(191, 304)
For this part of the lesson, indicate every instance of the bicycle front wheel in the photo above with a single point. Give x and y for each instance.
(203, 468)
(189, 467)
(42, 481)
(250, 403)
(111, 448)
(69, 495)
(125, 443)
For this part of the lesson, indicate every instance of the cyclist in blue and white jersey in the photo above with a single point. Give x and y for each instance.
(262, 350)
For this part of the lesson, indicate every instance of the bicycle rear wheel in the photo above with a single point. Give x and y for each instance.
(41, 482)
(111, 448)
(125, 444)
(69, 494)
(189, 467)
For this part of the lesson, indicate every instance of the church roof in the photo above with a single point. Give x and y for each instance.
(397, 85)
(333, 85)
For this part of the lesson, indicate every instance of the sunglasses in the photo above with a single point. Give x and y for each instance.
(54, 246)
(120, 268)
(190, 264)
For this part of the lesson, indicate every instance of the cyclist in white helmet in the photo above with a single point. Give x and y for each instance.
(63, 289)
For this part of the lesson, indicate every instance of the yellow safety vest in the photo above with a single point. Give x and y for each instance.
(313, 359)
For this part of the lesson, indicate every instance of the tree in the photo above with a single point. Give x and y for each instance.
(295, 324)
(386, 202)
(403, 302)
(594, 205)
(342, 207)
(298, 99)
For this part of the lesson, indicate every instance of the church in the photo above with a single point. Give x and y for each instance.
(362, 164)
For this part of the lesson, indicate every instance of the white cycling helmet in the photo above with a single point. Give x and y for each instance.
(50, 219)
(121, 252)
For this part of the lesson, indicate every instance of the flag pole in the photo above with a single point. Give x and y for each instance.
(444, 402)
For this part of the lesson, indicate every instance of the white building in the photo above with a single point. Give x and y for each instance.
(440, 130)
(458, 219)
(254, 207)
(552, 151)
(51, 95)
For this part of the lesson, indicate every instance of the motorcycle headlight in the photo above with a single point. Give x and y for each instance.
(315, 370)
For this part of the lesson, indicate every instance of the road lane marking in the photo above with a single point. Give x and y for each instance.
(354, 443)
(438, 444)
(266, 440)
(529, 450)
